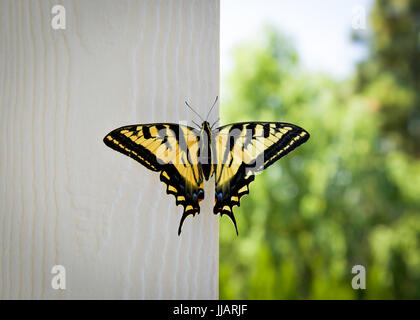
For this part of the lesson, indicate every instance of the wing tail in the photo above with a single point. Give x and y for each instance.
(186, 213)
(229, 212)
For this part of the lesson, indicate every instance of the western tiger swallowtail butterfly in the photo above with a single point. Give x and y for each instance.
(186, 157)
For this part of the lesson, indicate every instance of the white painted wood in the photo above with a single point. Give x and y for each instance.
(66, 198)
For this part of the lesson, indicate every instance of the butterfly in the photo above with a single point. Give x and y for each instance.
(186, 157)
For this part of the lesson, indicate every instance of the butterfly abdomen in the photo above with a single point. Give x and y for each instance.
(204, 153)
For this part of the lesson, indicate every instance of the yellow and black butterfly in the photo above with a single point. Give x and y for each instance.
(186, 156)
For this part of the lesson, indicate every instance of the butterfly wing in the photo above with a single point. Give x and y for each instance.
(171, 149)
(244, 149)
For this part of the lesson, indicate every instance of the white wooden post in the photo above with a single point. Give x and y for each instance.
(67, 199)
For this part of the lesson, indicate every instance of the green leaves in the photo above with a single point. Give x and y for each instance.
(348, 196)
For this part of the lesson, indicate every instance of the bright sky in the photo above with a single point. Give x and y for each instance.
(320, 29)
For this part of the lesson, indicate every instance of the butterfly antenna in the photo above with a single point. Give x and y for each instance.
(214, 103)
(193, 110)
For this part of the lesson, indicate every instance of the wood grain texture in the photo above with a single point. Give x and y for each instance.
(65, 198)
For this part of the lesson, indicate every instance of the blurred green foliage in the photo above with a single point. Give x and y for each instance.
(351, 194)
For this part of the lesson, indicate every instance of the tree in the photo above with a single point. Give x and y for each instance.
(341, 199)
(390, 75)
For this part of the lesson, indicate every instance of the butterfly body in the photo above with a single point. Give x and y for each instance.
(205, 159)
(186, 157)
